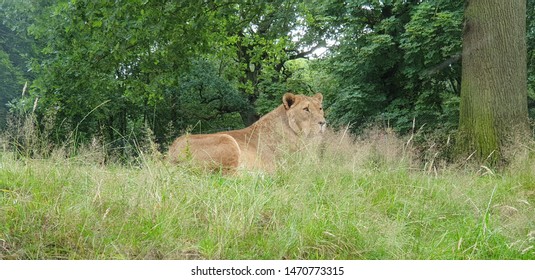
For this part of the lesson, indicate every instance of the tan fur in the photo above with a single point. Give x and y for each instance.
(298, 119)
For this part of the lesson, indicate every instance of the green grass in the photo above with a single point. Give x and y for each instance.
(367, 200)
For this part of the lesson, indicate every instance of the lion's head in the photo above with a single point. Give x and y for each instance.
(305, 113)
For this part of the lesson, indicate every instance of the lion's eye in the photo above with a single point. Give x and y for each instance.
(321, 108)
(306, 109)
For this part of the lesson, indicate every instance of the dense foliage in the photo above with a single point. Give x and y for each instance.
(399, 61)
(115, 70)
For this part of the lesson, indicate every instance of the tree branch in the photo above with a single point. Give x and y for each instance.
(304, 54)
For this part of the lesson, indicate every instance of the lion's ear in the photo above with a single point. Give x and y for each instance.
(319, 96)
(288, 100)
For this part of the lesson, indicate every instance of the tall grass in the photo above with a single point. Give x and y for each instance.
(368, 198)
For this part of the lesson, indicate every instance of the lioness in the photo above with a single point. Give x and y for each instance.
(298, 118)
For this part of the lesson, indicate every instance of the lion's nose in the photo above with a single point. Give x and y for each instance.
(322, 123)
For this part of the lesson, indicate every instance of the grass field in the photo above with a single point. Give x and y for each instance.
(372, 199)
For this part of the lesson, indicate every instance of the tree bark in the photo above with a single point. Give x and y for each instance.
(493, 109)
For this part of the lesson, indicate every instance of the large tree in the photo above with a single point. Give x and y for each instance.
(493, 109)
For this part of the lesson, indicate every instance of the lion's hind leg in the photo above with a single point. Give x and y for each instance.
(213, 151)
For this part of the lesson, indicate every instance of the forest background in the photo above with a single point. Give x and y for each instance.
(114, 70)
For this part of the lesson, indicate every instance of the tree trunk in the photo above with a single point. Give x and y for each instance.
(493, 109)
